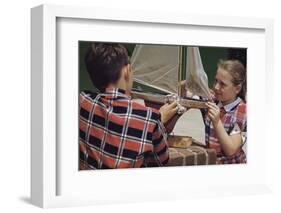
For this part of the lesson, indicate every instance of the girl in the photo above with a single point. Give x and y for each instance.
(225, 120)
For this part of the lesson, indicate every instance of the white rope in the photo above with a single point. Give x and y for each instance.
(174, 97)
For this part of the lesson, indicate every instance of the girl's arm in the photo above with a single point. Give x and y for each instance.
(230, 143)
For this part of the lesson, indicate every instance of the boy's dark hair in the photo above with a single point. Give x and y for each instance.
(104, 62)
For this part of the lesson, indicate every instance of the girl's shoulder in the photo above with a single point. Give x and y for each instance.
(240, 114)
(242, 107)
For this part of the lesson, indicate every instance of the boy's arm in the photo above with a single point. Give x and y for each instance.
(160, 150)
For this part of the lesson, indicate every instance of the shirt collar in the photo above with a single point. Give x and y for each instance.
(230, 106)
(113, 92)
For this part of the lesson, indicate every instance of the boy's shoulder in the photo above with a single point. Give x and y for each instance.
(140, 108)
(88, 94)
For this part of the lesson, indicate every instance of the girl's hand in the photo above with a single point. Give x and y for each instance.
(213, 113)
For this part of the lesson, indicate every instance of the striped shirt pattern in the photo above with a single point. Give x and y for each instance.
(233, 116)
(116, 132)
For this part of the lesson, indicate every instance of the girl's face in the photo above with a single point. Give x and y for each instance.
(225, 90)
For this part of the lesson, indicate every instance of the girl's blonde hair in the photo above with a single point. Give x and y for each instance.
(238, 72)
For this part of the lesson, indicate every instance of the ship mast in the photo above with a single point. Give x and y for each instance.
(180, 70)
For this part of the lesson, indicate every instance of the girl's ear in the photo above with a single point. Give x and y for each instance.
(238, 88)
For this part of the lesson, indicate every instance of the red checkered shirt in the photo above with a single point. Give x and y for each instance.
(116, 132)
(234, 116)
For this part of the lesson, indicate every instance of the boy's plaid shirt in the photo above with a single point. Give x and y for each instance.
(234, 116)
(116, 132)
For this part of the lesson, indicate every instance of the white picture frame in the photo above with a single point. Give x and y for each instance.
(55, 183)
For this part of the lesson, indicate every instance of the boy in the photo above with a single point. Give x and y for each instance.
(116, 132)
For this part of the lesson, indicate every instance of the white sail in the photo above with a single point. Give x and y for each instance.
(196, 77)
(156, 66)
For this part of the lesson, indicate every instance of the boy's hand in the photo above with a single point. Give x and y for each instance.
(213, 113)
(167, 111)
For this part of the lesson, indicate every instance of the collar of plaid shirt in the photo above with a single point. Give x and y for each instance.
(112, 92)
(230, 106)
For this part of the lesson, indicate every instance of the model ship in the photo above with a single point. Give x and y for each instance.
(169, 71)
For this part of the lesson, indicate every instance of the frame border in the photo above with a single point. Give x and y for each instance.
(44, 82)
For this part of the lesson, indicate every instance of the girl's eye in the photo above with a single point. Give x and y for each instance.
(220, 83)
(215, 81)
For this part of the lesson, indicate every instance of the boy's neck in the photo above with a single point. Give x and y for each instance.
(120, 86)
